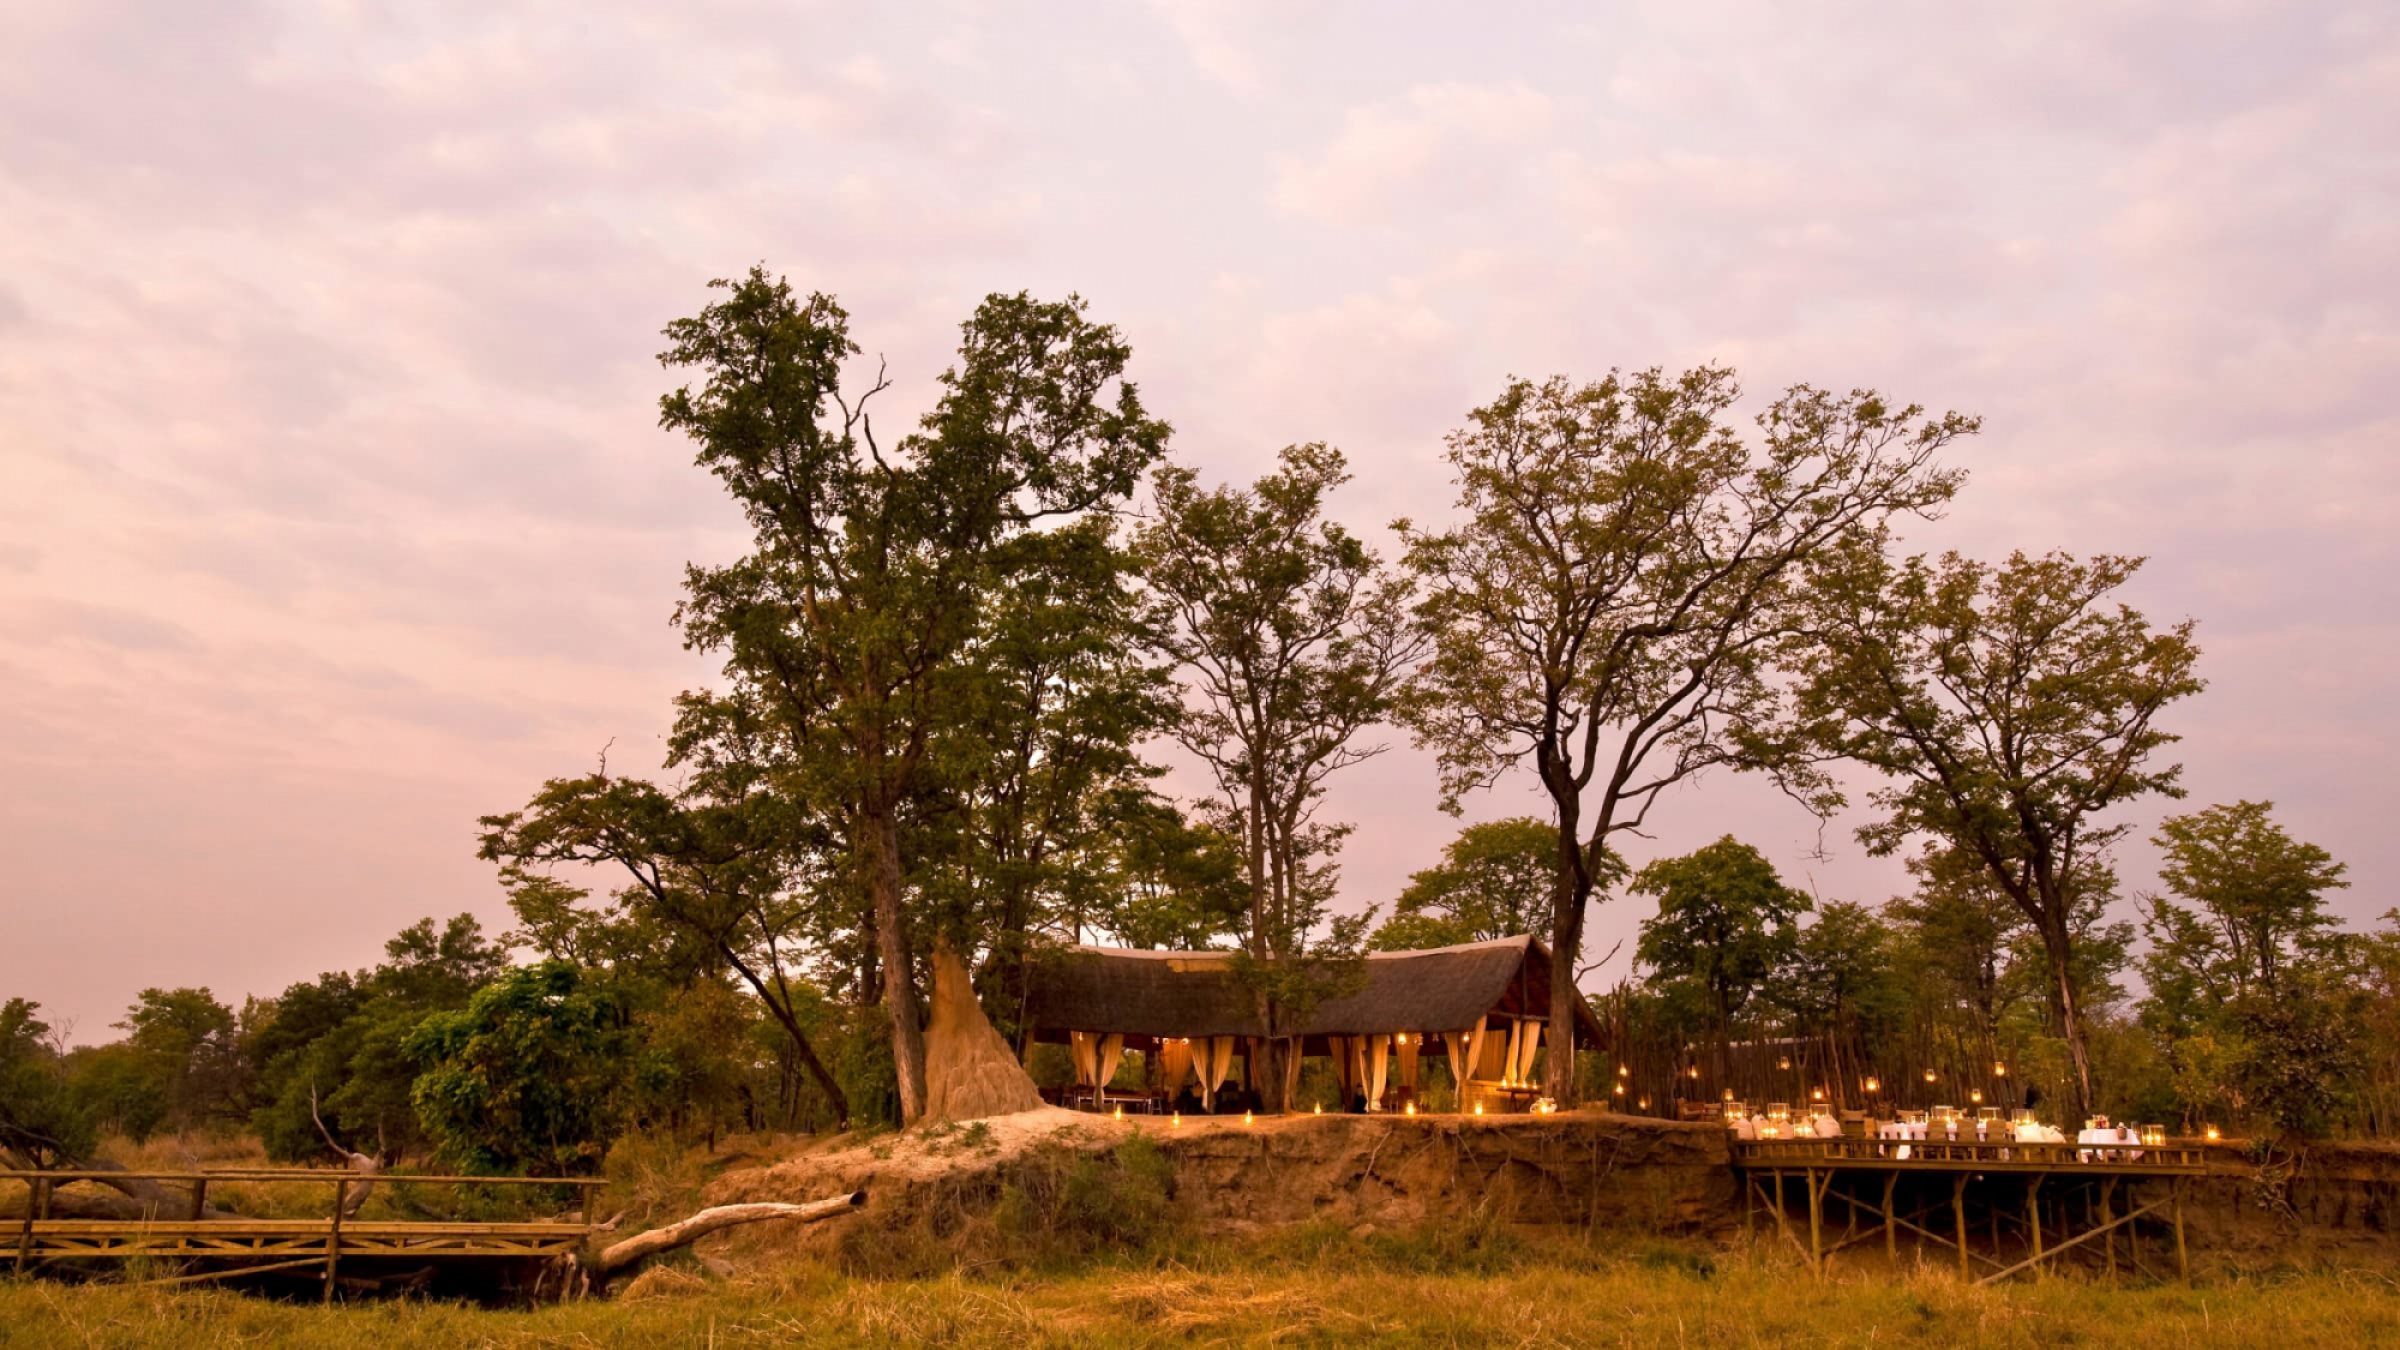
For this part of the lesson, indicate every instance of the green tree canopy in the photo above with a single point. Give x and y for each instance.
(1494, 880)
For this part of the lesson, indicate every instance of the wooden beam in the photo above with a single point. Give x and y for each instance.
(2072, 1242)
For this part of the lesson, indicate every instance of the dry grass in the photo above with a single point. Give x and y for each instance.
(1561, 1294)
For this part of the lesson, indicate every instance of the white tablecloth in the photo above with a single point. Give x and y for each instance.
(2115, 1134)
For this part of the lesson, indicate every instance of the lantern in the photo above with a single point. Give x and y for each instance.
(1119, 1113)
(1643, 1104)
(1624, 1070)
(1479, 1108)
(2211, 1134)
(1931, 1076)
(1976, 1096)
(1248, 1119)
(1176, 1120)
(1620, 1089)
(1783, 1061)
(1408, 1109)
(1727, 1094)
(1873, 1085)
(1816, 1094)
(1317, 1109)
(1692, 1072)
(1999, 1069)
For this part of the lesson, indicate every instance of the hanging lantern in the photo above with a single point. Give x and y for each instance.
(1816, 1094)
(1873, 1085)
(1692, 1072)
(1620, 1089)
(1727, 1094)
(1644, 1103)
(1976, 1096)
(1999, 1069)
(2211, 1134)
(1931, 1076)
(1783, 1061)
(1624, 1070)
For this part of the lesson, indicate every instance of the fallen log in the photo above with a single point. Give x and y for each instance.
(620, 1256)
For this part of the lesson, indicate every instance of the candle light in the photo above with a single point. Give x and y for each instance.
(1176, 1120)
(1999, 1069)
(1316, 1109)
(1931, 1076)
(1727, 1094)
(1248, 1119)
(1620, 1089)
(1644, 1103)
(1816, 1094)
(2211, 1134)
(1119, 1113)
(1976, 1096)
(1692, 1072)
(1872, 1085)
(1408, 1109)
(1479, 1108)
(1783, 1061)
(1624, 1070)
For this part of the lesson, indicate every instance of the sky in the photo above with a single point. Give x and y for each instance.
(334, 512)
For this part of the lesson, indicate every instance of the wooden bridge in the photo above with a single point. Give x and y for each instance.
(197, 1244)
(2085, 1182)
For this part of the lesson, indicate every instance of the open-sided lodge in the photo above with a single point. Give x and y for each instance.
(1482, 1007)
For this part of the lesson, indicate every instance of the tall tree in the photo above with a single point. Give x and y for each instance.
(855, 608)
(1725, 922)
(1614, 603)
(1493, 881)
(2009, 708)
(1289, 635)
(2258, 893)
(728, 871)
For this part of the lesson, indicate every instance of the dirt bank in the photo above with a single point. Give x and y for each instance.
(1617, 1173)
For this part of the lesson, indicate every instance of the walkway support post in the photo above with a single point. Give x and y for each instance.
(1958, 1212)
(333, 1236)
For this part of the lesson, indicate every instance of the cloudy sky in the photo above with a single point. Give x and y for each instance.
(333, 512)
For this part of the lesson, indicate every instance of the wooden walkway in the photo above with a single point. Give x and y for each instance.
(2096, 1192)
(223, 1247)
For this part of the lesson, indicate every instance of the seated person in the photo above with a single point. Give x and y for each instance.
(1229, 1101)
(1187, 1102)
(1358, 1102)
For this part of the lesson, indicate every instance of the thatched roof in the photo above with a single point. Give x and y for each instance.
(1153, 994)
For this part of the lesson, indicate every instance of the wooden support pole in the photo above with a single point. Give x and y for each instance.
(2108, 1234)
(25, 1234)
(199, 1197)
(333, 1236)
(1891, 1238)
(2033, 1215)
(1958, 1211)
(2183, 1265)
(1816, 1221)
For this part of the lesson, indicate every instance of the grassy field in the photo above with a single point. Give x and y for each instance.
(1660, 1296)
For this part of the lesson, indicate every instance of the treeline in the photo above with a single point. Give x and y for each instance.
(947, 656)
(2230, 999)
(485, 1056)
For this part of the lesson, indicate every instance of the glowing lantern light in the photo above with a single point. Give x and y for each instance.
(1176, 1120)
(1408, 1109)
(1931, 1076)
(1248, 1119)
(2212, 1134)
(1873, 1085)
(1479, 1108)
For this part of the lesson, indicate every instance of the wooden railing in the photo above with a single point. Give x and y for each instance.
(1945, 1153)
(257, 1244)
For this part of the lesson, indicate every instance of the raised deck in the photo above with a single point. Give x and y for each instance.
(2090, 1178)
(225, 1246)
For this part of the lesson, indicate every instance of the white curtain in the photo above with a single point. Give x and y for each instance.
(1174, 1064)
(1508, 1061)
(1526, 1051)
(1112, 1050)
(1379, 1058)
(1476, 1036)
(1454, 1043)
(1218, 1052)
(1086, 1048)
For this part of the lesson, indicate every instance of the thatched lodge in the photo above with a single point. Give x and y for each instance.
(1483, 1006)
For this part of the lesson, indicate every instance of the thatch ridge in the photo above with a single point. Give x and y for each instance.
(1196, 993)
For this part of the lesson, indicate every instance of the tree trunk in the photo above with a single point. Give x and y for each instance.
(1568, 891)
(620, 1256)
(891, 941)
(2070, 1021)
